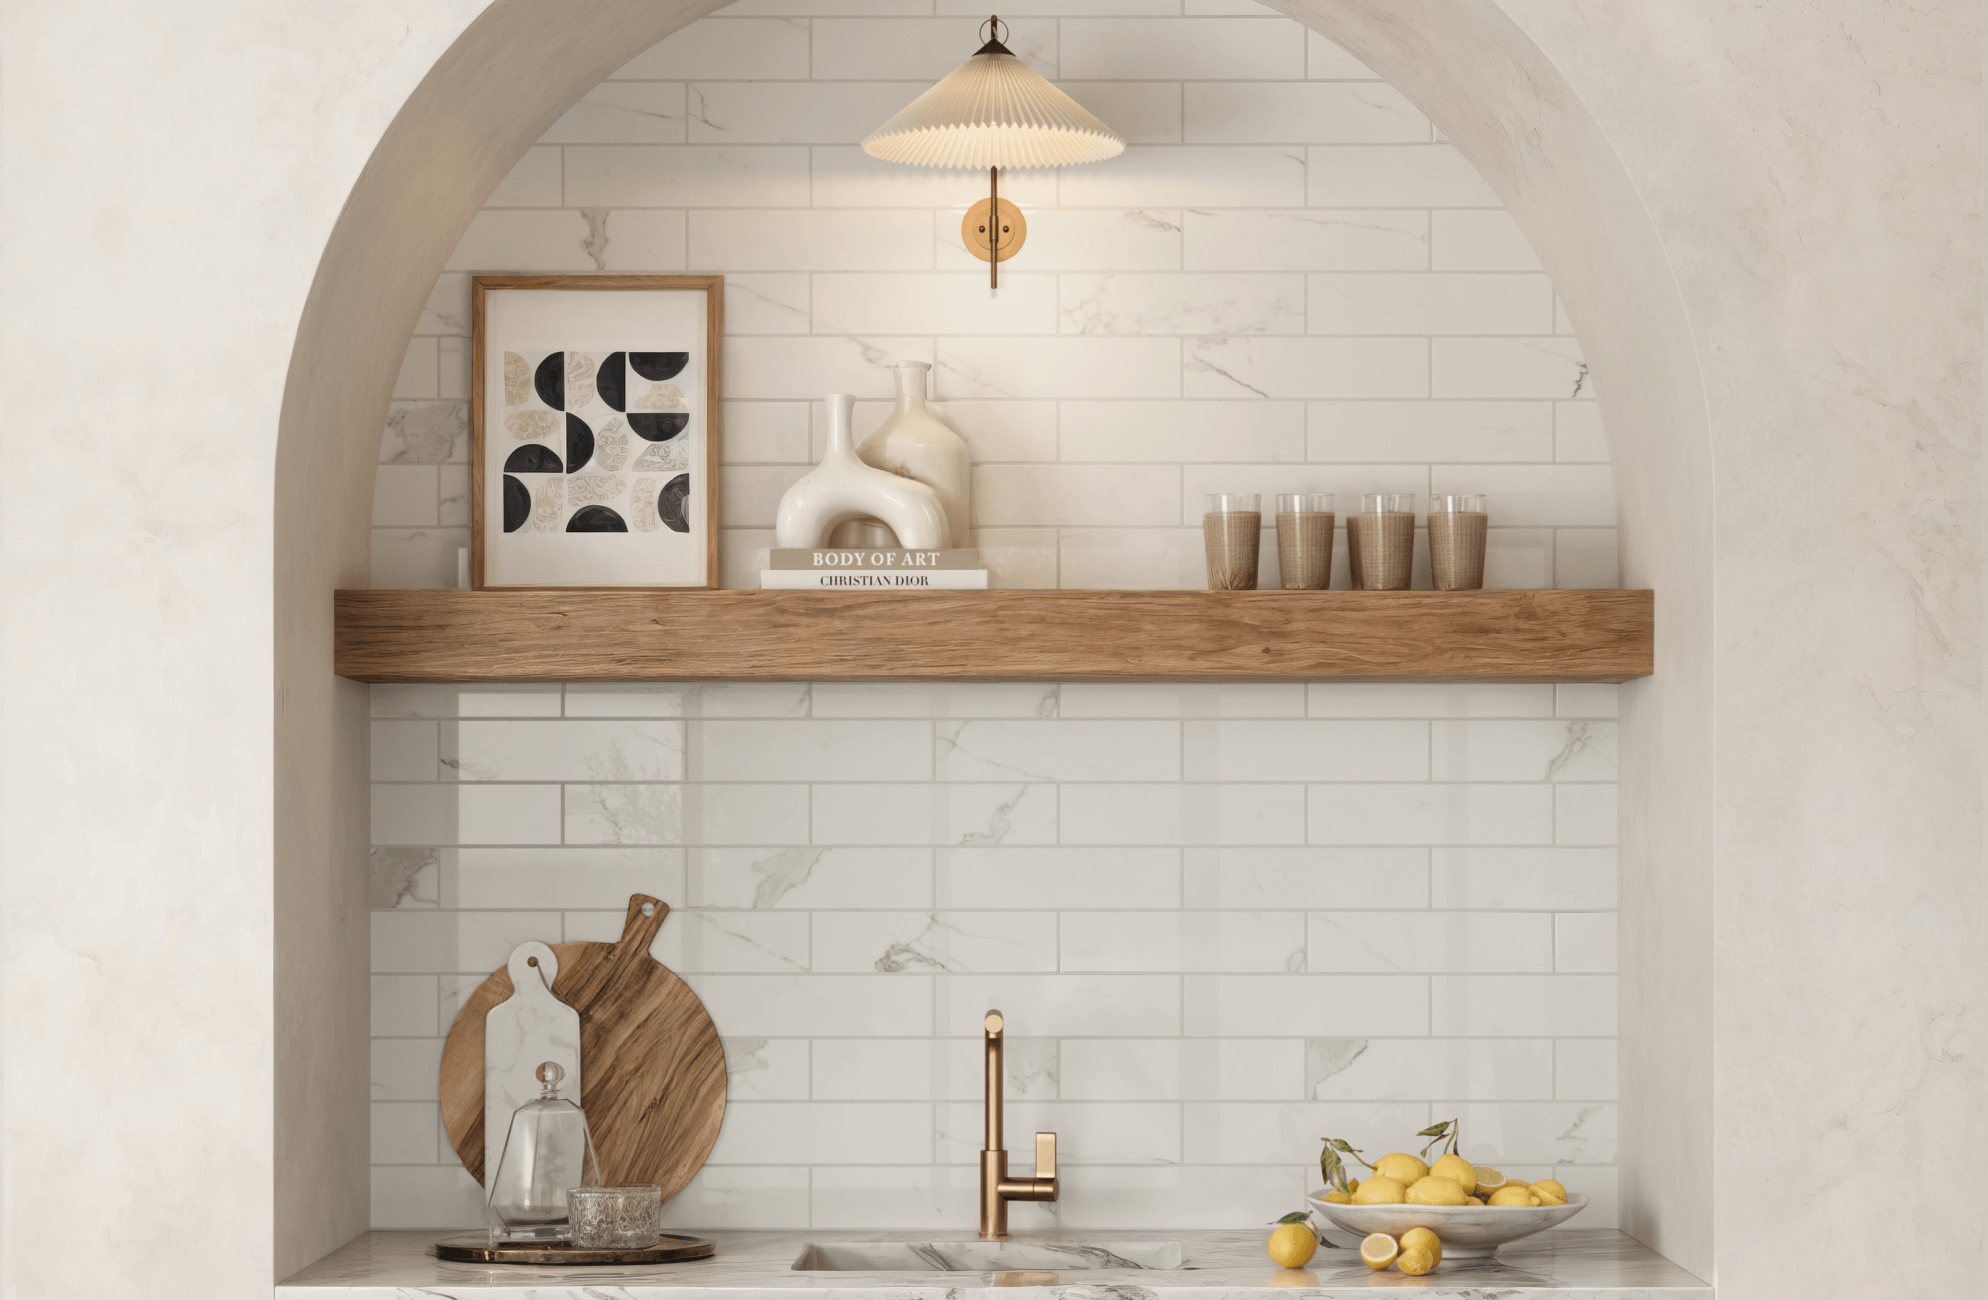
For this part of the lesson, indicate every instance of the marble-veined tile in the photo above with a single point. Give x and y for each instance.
(1542, 495)
(1304, 1005)
(855, 1198)
(1423, 1069)
(1211, 942)
(430, 433)
(767, 1069)
(1180, 48)
(641, 112)
(552, 239)
(950, 813)
(1081, 749)
(737, 49)
(1203, 302)
(1099, 1198)
(1578, 434)
(466, 814)
(800, 1006)
(1476, 303)
(1430, 942)
(452, 495)
(1436, 814)
(1584, 941)
(1182, 814)
(765, 432)
(996, 368)
(1586, 557)
(805, 368)
(928, 942)
(404, 1006)
(1393, 176)
(715, 814)
(1540, 1132)
(404, 1132)
(405, 942)
(1556, 750)
(1306, 239)
(1132, 1006)
(447, 308)
(417, 376)
(686, 176)
(936, 699)
(994, 877)
(930, 1069)
(792, 112)
(406, 1069)
(951, 302)
(773, 303)
(747, 240)
(873, 49)
(1309, 749)
(740, 1197)
(715, 942)
(1584, 1069)
(1264, 878)
(1144, 112)
(1183, 700)
(749, 495)
(843, 176)
(425, 1196)
(1077, 239)
(626, 813)
(567, 750)
(1326, 61)
(1480, 239)
(811, 750)
(1298, 112)
(495, 700)
(1306, 367)
(405, 496)
(1507, 367)
(532, 182)
(1182, 1069)
(807, 876)
(1586, 700)
(1572, 1006)
(1428, 700)
(1038, 495)
(1269, 1133)
(1087, 1133)
(404, 751)
(702, 700)
(1584, 814)
(1190, 176)
(1132, 559)
(825, 1132)
(1534, 878)
(452, 369)
(1141, 432)
(1471, 432)
(566, 877)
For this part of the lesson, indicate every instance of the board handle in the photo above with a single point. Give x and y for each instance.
(645, 917)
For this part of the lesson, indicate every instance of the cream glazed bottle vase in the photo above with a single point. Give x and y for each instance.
(843, 488)
(916, 444)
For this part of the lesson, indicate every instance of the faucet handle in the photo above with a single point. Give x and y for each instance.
(1045, 1156)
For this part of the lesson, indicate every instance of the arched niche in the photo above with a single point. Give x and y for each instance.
(512, 72)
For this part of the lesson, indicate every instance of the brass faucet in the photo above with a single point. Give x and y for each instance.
(996, 1188)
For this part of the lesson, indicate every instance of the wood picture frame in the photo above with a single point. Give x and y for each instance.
(622, 492)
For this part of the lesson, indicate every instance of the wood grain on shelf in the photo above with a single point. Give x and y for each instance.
(608, 635)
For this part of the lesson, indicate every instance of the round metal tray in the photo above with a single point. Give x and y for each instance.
(477, 1248)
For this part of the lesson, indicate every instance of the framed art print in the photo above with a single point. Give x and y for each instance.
(594, 430)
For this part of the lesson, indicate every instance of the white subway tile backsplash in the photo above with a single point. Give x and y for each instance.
(1365, 906)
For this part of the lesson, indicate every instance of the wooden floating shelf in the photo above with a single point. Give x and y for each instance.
(1187, 636)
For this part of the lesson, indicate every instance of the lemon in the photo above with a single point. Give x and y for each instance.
(1477, 1200)
(1292, 1245)
(1415, 1262)
(1436, 1191)
(1512, 1196)
(1336, 1198)
(1550, 1189)
(1378, 1249)
(1488, 1179)
(1424, 1239)
(1403, 1169)
(1457, 1170)
(1380, 1190)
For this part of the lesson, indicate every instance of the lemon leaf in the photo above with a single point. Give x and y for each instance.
(1296, 1216)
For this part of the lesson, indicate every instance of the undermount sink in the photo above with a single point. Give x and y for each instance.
(985, 1256)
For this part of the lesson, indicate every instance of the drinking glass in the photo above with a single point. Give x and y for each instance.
(1457, 528)
(1231, 528)
(1380, 541)
(616, 1218)
(1304, 540)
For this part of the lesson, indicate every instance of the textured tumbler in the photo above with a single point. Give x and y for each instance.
(1231, 529)
(1380, 542)
(1304, 540)
(1457, 529)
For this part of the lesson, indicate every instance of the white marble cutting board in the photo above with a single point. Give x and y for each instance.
(520, 1033)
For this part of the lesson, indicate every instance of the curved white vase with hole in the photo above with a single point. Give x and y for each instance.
(842, 488)
(914, 443)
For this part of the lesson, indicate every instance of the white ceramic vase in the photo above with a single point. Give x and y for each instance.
(842, 488)
(916, 444)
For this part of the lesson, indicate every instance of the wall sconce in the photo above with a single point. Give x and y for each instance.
(993, 111)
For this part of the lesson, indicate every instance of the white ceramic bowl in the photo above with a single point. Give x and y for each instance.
(1468, 1231)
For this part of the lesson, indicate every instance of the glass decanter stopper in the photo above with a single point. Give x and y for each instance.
(548, 1150)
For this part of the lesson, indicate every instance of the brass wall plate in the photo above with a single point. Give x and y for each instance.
(979, 239)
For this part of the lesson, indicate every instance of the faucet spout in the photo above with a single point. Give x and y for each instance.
(996, 1188)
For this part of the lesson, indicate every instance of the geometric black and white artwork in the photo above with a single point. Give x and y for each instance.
(593, 434)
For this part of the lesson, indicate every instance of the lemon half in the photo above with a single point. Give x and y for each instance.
(1378, 1250)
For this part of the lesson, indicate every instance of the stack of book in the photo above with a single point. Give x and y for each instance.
(827, 569)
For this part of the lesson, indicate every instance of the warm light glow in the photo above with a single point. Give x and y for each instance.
(994, 111)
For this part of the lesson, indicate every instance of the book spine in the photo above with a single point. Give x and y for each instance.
(800, 558)
(873, 580)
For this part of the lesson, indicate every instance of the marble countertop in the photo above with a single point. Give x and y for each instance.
(1226, 1265)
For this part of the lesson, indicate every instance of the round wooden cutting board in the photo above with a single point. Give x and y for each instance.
(654, 1071)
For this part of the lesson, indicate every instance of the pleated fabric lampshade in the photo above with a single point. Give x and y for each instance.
(993, 111)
